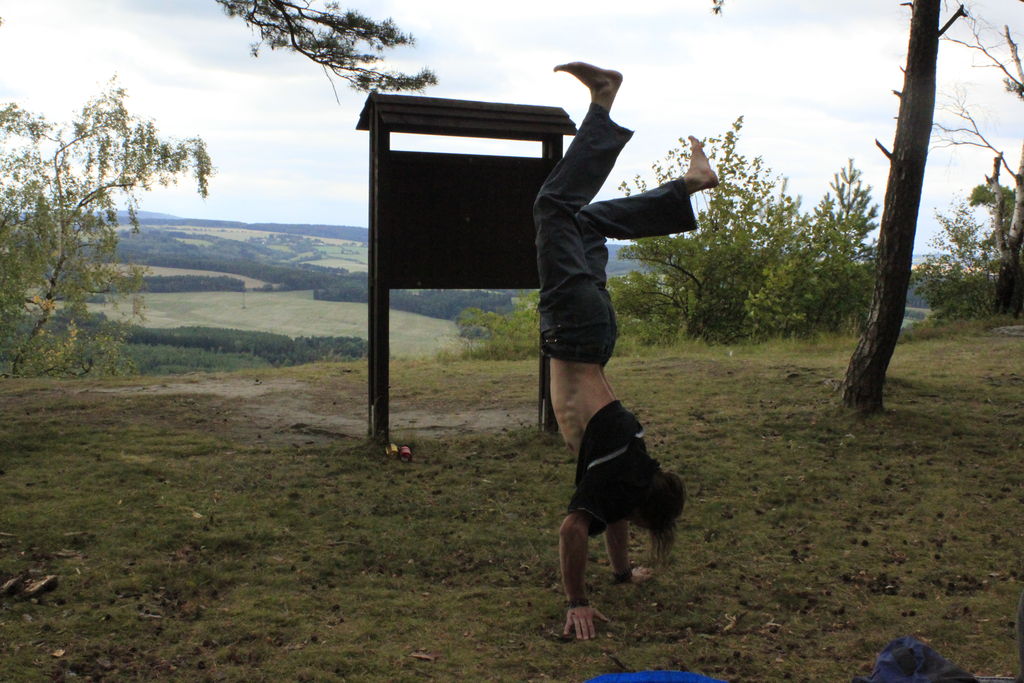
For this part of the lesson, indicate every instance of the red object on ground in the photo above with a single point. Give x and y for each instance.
(405, 453)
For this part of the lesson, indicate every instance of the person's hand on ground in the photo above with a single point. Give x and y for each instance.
(641, 574)
(581, 619)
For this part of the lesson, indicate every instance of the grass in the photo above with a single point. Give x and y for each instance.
(812, 536)
(294, 313)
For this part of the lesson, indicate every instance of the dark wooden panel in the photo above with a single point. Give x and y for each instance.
(447, 221)
(455, 221)
(438, 116)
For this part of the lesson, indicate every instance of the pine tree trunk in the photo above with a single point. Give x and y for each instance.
(865, 376)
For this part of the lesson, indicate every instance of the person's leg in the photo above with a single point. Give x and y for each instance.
(573, 305)
(662, 211)
(591, 156)
(577, 321)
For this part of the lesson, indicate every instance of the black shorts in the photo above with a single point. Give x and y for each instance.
(583, 331)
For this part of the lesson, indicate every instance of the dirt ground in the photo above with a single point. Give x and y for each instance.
(285, 410)
(278, 411)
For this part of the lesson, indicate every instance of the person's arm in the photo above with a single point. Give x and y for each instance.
(572, 551)
(616, 542)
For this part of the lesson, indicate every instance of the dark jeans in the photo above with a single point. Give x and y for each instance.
(577, 321)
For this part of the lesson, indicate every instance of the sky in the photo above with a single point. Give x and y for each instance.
(812, 79)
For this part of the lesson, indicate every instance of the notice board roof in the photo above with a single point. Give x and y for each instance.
(465, 118)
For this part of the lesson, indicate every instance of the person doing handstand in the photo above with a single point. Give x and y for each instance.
(617, 482)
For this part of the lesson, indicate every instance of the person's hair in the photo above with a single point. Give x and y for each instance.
(660, 510)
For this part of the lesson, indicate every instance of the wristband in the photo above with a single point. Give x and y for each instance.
(582, 602)
(623, 577)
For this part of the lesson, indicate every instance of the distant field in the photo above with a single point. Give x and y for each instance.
(331, 253)
(352, 265)
(296, 314)
(250, 282)
(242, 235)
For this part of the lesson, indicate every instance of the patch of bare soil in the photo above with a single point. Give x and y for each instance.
(1011, 331)
(286, 410)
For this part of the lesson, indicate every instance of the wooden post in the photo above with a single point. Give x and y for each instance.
(379, 299)
(546, 413)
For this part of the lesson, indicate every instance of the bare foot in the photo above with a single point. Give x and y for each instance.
(699, 176)
(603, 83)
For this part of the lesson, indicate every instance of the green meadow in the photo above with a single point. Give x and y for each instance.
(293, 313)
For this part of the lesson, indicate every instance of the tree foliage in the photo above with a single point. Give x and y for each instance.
(60, 187)
(756, 266)
(960, 281)
(984, 195)
(345, 43)
(823, 281)
(502, 336)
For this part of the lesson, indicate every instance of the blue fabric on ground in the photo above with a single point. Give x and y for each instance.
(908, 660)
(655, 677)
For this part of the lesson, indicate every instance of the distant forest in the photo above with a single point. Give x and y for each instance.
(159, 284)
(275, 349)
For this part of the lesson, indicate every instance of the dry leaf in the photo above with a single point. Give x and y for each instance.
(58, 653)
(47, 583)
(425, 656)
(12, 585)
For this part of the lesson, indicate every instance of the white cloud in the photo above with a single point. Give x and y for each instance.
(812, 78)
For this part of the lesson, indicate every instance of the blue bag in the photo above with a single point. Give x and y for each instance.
(908, 660)
(654, 677)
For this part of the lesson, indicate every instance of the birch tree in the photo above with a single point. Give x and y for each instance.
(998, 50)
(60, 188)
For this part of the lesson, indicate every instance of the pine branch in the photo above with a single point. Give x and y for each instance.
(961, 12)
(346, 44)
(887, 153)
